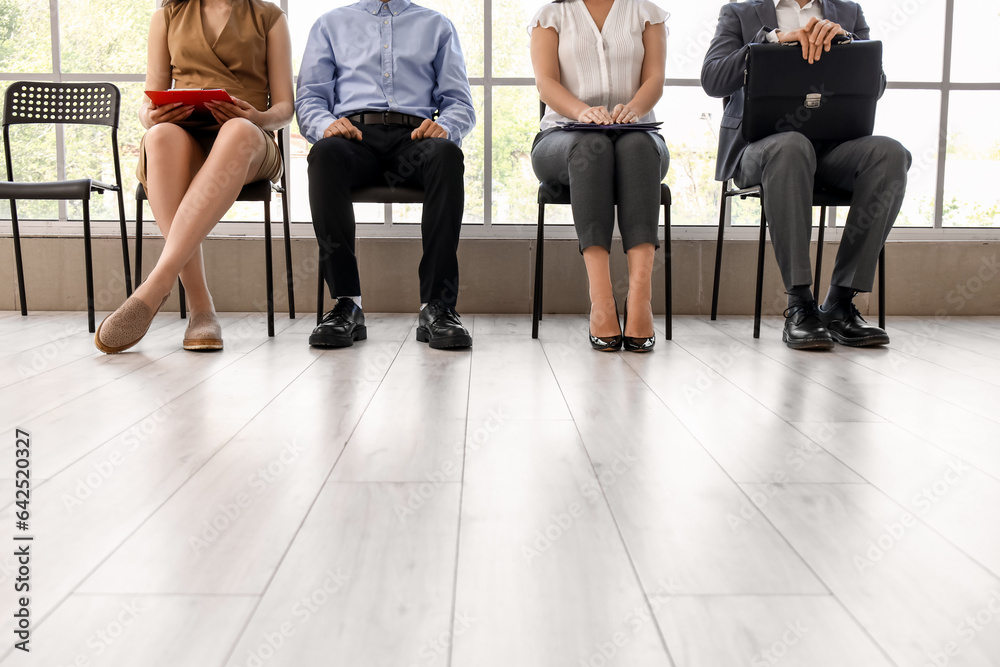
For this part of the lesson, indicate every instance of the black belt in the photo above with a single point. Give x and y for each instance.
(386, 118)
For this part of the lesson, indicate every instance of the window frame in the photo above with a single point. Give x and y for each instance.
(487, 229)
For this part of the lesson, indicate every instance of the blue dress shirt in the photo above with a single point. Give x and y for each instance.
(395, 56)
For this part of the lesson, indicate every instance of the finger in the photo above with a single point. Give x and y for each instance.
(356, 133)
(804, 43)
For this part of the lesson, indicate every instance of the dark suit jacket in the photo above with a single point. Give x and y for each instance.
(740, 25)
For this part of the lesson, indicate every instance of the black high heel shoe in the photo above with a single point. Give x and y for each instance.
(612, 344)
(636, 344)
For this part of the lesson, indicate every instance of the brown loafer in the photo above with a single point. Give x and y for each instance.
(203, 332)
(126, 326)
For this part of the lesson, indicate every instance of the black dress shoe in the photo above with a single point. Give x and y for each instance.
(633, 344)
(440, 327)
(848, 327)
(804, 330)
(341, 326)
(610, 344)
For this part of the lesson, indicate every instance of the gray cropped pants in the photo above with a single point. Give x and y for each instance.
(602, 168)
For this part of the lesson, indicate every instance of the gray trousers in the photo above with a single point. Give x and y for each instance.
(787, 165)
(601, 168)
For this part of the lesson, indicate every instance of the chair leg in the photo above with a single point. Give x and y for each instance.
(881, 289)
(760, 271)
(668, 274)
(819, 251)
(288, 258)
(319, 294)
(183, 298)
(125, 259)
(539, 262)
(138, 242)
(17, 258)
(718, 253)
(268, 275)
(89, 260)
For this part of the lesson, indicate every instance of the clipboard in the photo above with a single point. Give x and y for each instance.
(643, 127)
(195, 96)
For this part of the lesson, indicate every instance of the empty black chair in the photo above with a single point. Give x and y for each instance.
(372, 195)
(63, 103)
(823, 198)
(257, 191)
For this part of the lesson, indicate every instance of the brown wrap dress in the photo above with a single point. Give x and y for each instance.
(236, 62)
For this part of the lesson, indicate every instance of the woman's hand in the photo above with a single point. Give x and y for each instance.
(623, 113)
(223, 111)
(595, 115)
(168, 113)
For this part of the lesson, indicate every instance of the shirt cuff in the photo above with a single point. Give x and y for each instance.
(771, 36)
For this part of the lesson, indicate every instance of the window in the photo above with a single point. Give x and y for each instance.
(942, 91)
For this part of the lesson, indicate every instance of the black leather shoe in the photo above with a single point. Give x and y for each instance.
(612, 344)
(341, 326)
(804, 330)
(633, 344)
(848, 327)
(440, 327)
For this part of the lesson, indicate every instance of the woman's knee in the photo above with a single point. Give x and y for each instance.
(240, 136)
(167, 138)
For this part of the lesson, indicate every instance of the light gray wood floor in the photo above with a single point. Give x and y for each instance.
(723, 501)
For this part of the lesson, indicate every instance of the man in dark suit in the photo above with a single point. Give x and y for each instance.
(787, 165)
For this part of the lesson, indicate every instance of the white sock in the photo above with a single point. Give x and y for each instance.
(355, 299)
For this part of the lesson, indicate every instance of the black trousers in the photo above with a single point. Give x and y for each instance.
(386, 156)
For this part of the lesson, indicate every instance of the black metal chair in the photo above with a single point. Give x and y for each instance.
(823, 198)
(557, 193)
(371, 195)
(257, 191)
(63, 103)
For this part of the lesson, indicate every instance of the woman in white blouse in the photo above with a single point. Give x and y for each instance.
(602, 62)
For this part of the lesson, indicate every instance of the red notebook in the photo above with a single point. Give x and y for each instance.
(195, 96)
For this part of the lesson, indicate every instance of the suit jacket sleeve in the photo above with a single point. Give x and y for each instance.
(725, 62)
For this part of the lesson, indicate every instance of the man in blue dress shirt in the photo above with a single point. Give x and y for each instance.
(373, 76)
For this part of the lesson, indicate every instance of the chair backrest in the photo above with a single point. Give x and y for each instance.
(77, 103)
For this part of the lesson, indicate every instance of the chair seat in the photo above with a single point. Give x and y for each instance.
(256, 191)
(831, 197)
(77, 189)
(386, 195)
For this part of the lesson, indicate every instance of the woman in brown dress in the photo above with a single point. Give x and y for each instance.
(194, 166)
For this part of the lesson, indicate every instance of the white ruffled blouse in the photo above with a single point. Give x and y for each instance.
(600, 67)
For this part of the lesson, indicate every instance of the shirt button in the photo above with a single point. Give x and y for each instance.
(387, 74)
(385, 46)
(385, 22)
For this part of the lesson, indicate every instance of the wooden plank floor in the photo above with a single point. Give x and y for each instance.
(723, 501)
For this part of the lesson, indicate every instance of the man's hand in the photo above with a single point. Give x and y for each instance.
(623, 113)
(815, 38)
(342, 128)
(596, 115)
(429, 130)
